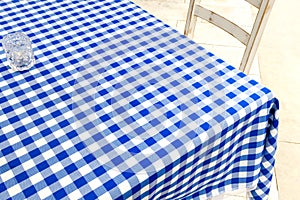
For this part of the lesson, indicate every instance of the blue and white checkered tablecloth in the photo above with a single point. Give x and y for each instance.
(121, 106)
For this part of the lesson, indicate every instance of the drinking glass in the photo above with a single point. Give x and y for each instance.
(18, 49)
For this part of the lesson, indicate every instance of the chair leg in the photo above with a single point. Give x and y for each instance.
(190, 21)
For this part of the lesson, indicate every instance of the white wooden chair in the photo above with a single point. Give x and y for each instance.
(250, 40)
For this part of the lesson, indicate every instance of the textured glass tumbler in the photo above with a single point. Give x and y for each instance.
(19, 54)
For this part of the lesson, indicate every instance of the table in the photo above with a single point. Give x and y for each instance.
(121, 106)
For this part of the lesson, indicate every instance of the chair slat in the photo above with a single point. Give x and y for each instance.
(222, 23)
(256, 34)
(251, 41)
(255, 3)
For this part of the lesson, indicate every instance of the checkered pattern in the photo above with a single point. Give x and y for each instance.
(121, 106)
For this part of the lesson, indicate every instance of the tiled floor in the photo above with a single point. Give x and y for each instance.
(277, 66)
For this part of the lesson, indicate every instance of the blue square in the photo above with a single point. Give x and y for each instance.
(174, 83)
(194, 116)
(253, 82)
(172, 98)
(166, 132)
(109, 185)
(134, 103)
(80, 182)
(34, 153)
(124, 139)
(145, 163)
(254, 96)
(60, 194)
(161, 153)
(177, 143)
(53, 143)
(90, 195)
(29, 191)
(144, 73)
(21, 177)
(7, 150)
(134, 150)
(208, 79)
(148, 61)
(71, 168)
(154, 122)
(114, 128)
(159, 56)
(139, 130)
(207, 109)
(242, 88)
(231, 111)
(43, 165)
(266, 90)
(168, 62)
(79, 146)
(62, 155)
(150, 141)
(243, 103)
(231, 95)
(2, 187)
(197, 85)
(162, 89)
(219, 118)
(149, 96)
(144, 112)
(156, 68)
(97, 136)
(131, 79)
(99, 171)
(51, 179)
(191, 52)
(21, 129)
(219, 102)
(14, 163)
(14, 119)
(185, 91)
(219, 87)
(205, 126)
(165, 75)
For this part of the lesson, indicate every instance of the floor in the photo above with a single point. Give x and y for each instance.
(277, 66)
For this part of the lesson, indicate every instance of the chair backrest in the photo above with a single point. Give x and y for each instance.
(250, 40)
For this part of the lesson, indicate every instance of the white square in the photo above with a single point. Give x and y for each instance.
(34, 130)
(85, 170)
(7, 92)
(28, 165)
(48, 154)
(20, 152)
(50, 122)
(56, 167)
(68, 144)
(75, 157)
(105, 196)
(26, 120)
(7, 175)
(24, 86)
(36, 178)
(44, 193)
(14, 140)
(96, 183)
(30, 94)
(54, 96)
(14, 190)
(40, 142)
(142, 121)
(65, 181)
(8, 128)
